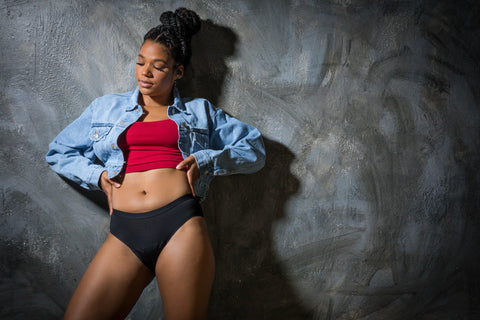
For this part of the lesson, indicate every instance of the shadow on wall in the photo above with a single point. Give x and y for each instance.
(96, 196)
(211, 47)
(241, 210)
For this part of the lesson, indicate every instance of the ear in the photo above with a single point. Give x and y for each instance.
(179, 72)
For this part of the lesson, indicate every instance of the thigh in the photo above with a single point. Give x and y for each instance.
(111, 285)
(185, 271)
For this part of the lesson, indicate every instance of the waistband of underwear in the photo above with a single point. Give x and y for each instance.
(155, 212)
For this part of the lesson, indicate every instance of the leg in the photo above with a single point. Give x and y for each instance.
(111, 285)
(185, 271)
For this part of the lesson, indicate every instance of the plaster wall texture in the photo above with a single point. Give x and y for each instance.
(368, 205)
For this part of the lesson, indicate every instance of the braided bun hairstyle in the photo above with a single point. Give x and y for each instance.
(175, 32)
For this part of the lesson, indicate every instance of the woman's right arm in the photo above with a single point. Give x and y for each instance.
(71, 153)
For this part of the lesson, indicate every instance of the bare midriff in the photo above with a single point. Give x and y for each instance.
(149, 190)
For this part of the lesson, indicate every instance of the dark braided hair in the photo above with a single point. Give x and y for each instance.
(175, 32)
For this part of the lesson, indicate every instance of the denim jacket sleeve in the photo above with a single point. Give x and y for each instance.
(235, 147)
(71, 153)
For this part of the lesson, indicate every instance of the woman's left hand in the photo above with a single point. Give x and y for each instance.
(193, 173)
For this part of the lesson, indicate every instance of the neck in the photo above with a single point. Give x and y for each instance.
(155, 101)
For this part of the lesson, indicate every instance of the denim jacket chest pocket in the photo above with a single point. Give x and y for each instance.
(194, 138)
(98, 134)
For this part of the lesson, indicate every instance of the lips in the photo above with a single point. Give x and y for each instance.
(145, 84)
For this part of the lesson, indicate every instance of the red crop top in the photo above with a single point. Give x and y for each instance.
(150, 145)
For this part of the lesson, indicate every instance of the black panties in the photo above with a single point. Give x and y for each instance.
(147, 233)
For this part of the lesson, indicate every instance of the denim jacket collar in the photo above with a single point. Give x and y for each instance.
(133, 100)
(177, 102)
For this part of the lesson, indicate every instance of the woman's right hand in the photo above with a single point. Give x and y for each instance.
(107, 186)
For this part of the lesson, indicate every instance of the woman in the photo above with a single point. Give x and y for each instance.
(154, 154)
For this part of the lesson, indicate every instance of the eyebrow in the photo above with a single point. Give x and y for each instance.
(155, 60)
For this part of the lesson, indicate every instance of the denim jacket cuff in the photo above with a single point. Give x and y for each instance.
(204, 162)
(94, 177)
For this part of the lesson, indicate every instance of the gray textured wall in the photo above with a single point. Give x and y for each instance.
(368, 205)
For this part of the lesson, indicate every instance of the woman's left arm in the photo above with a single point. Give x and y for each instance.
(235, 147)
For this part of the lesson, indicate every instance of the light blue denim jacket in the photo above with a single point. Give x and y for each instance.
(221, 144)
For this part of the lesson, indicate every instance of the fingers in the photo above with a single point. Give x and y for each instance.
(191, 180)
(108, 192)
(107, 187)
(193, 173)
(186, 163)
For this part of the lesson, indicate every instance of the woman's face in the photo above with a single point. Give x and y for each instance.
(156, 71)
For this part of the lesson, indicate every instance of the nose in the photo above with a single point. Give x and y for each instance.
(146, 71)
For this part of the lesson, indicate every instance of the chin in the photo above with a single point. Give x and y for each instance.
(146, 91)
